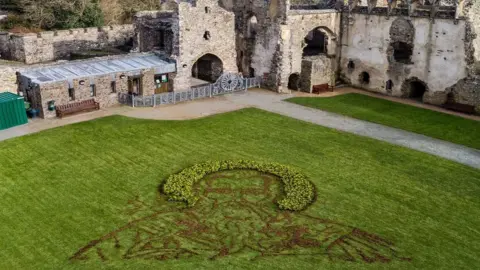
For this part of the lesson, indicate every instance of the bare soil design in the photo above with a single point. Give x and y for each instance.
(236, 214)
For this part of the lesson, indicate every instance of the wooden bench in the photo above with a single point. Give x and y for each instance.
(321, 88)
(459, 107)
(77, 107)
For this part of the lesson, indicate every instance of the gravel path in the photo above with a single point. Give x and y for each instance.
(274, 103)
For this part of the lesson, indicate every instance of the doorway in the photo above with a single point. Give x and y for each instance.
(135, 86)
(207, 68)
(161, 83)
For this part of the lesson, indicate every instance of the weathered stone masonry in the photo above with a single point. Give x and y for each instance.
(187, 31)
(53, 45)
(417, 49)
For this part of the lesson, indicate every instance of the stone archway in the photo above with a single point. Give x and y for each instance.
(414, 88)
(316, 43)
(208, 68)
(294, 82)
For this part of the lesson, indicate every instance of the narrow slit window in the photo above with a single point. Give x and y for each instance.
(71, 94)
(113, 87)
(206, 36)
(93, 90)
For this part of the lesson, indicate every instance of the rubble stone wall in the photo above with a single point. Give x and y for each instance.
(299, 24)
(438, 57)
(53, 45)
(195, 21)
(316, 70)
(41, 95)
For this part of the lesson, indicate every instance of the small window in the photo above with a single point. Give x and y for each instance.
(389, 85)
(71, 94)
(364, 78)
(206, 36)
(93, 90)
(113, 87)
(159, 79)
(207, 10)
(351, 65)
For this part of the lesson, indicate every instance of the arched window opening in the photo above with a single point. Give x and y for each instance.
(364, 78)
(402, 52)
(351, 65)
(252, 27)
(316, 43)
(389, 85)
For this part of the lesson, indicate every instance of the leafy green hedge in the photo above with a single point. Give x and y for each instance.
(299, 191)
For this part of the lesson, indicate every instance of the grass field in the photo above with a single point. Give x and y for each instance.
(64, 187)
(430, 123)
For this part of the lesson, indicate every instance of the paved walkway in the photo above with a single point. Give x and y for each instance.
(272, 102)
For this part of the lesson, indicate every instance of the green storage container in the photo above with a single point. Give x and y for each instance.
(12, 110)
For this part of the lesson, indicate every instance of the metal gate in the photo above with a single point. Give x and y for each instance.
(227, 83)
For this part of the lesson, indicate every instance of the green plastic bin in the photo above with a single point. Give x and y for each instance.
(12, 110)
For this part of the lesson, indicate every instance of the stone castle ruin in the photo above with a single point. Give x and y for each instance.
(420, 49)
(54, 45)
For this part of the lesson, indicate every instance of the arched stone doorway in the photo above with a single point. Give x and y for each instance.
(364, 78)
(294, 82)
(414, 88)
(207, 68)
(389, 86)
(316, 43)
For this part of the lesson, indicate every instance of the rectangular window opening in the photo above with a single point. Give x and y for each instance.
(113, 87)
(71, 94)
(93, 90)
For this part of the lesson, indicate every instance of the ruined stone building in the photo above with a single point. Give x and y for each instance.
(422, 49)
(425, 50)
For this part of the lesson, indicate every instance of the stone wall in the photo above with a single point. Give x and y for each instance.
(299, 24)
(41, 95)
(206, 15)
(157, 30)
(8, 79)
(54, 45)
(258, 28)
(148, 82)
(473, 17)
(438, 57)
(317, 70)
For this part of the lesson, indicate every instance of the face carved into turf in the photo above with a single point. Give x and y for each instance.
(236, 214)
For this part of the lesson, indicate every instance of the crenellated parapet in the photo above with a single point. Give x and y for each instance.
(53, 45)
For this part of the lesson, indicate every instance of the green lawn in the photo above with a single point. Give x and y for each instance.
(430, 123)
(64, 187)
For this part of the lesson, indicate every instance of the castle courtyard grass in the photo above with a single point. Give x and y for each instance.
(423, 121)
(64, 187)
